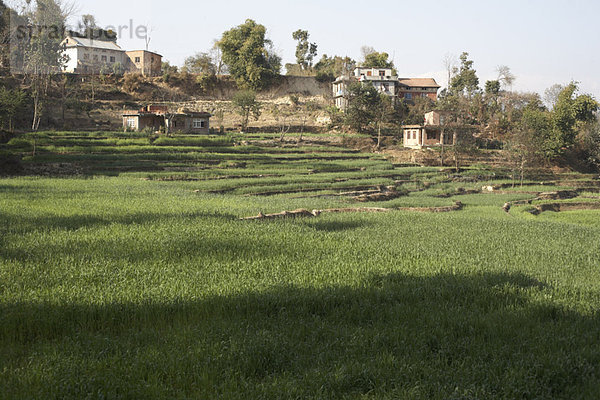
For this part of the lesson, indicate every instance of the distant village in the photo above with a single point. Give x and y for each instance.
(239, 82)
(99, 53)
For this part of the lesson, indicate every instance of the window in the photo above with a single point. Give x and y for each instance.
(408, 96)
(104, 58)
(198, 124)
(112, 60)
(131, 122)
(138, 59)
(431, 135)
(381, 73)
(95, 57)
(369, 73)
(86, 56)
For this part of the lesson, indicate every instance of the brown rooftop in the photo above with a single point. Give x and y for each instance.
(419, 82)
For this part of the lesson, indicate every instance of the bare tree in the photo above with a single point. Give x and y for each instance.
(505, 76)
(451, 66)
(365, 51)
(551, 95)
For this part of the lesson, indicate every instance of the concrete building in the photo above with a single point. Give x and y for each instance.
(411, 89)
(430, 133)
(159, 118)
(144, 62)
(93, 55)
(384, 80)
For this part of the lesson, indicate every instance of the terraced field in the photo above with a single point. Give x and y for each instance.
(126, 271)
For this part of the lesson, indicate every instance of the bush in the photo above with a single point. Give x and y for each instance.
(325, 77)
(132, 82)
(206, 81)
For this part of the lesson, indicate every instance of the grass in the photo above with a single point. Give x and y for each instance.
(118, 287)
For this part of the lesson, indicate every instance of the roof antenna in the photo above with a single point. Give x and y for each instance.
(148, 38)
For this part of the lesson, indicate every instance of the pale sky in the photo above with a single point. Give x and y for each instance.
(543, 42)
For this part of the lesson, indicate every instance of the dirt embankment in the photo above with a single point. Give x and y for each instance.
(108, 97)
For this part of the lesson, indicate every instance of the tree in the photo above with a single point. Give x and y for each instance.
(11, 102)
(383, 114)
(529, 141)
(217, 59)
(201, 63)
(167, 68)
(492, 88)
(570, 111)
(42, 55)
(282, 115)
(551, 95)
(450, 66)
(246, 105)
(377, 60)
(363, 102)
(505, 76)
(249, 55)
(87, 24)
(465, 82)
(305, 51)
(592, 144)
(328, 68)
(310, 110)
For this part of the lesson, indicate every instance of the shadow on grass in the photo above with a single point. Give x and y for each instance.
(24, 223)
(335, 226)
(395, 336)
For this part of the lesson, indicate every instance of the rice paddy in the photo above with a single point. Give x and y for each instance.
(126, 273)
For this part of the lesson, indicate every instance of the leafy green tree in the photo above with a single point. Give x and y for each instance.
(328, 68)
(570, 111)
(11, 103)
(363, 101)
(492, 88)
(249, 55)
(465, 81)
(246, 105)
(377, 60)
(305, 51)
(201, 63)
(592, 145)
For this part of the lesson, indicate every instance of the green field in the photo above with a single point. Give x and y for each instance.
(126, 273)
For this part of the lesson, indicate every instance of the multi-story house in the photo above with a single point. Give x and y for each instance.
(384, 80)
(87, 55)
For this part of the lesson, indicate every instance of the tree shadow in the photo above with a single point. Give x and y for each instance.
(335, 226)
(25, 223)
(393, 336)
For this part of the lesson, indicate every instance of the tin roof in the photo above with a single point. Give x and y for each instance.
(91, 43)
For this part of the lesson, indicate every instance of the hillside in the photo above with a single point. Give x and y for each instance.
(108, 96)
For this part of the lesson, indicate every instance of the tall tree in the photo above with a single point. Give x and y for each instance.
(465, 82)
(87, 24)
(249, 55)
(305, 51)
(505, 76)
(42, 55)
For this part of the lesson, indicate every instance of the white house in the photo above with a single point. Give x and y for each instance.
(89, 56)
